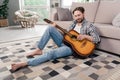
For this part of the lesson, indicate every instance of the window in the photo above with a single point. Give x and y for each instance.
(42, 7)
(67, 4)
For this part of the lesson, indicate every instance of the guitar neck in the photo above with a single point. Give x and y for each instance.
(60, 28)
(63, 30)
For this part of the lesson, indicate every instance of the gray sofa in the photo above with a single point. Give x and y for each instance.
(101, 14)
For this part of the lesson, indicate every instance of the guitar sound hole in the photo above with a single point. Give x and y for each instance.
(74, 37)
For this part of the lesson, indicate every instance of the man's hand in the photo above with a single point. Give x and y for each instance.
(54, 24)
(81, 37)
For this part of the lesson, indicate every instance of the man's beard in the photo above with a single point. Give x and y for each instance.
(80, 20)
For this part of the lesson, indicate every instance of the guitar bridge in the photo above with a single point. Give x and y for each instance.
(83, 44)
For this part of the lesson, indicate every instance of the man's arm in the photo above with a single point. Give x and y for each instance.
(93, 33)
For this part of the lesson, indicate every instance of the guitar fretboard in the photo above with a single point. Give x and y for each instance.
(60, 28)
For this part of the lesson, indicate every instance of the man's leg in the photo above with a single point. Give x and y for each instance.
(51, 32)
(53, 54)
(50, 55)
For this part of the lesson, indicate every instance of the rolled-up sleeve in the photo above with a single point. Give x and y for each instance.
(93, 32)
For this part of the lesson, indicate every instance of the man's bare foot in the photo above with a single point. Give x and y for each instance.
(18, 65)
(35, 52)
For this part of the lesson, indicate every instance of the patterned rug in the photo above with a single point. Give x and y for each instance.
(67, 68)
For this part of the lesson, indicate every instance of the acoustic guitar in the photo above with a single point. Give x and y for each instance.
(82, 47)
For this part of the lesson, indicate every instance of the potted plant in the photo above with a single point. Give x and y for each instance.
(4, 13)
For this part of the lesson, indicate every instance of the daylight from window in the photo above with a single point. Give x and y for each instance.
(42, 7)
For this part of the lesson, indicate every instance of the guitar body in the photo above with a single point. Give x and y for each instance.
(82, 47)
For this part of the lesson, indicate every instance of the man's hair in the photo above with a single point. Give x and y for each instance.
(81, 9)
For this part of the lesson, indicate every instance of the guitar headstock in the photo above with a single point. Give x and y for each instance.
(48, 21)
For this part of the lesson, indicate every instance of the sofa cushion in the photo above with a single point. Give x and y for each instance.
(64, 14)
(64, 24)
(90, 9)
(107, 11)
(116, 21)
(107, 30)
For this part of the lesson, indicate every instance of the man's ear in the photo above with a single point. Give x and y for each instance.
(83, 14)
(73, 16)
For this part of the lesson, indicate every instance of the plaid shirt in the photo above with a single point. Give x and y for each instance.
(88, 29)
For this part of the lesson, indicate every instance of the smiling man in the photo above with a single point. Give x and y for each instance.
(80, 24)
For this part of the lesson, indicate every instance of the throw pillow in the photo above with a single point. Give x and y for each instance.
(64, 14)
(116, 21)
(55, 17)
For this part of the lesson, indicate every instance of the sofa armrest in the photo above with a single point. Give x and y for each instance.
(55, 16)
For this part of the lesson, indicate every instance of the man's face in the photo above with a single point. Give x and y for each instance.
(78, 16)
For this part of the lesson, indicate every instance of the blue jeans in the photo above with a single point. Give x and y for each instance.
(61, 51)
